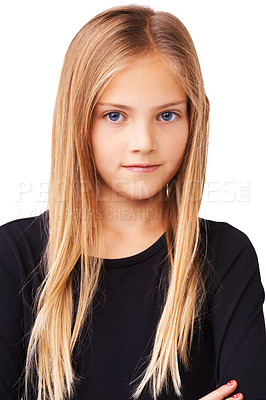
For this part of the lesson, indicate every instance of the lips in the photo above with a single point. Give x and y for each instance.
(141, 167)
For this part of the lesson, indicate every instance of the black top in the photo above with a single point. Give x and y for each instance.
(231, 343)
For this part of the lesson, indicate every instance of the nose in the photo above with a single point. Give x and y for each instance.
(142, 137)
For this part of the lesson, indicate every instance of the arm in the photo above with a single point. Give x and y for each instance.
(11, 332)
(237, 316)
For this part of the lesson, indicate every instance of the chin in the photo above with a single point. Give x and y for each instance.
(139, 195)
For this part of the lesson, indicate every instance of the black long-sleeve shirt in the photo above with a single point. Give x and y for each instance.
(231, 343)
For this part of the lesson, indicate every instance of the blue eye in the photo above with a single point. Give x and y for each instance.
(113, 116)
(168, 116)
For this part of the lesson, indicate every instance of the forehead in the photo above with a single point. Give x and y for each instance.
(145, 79)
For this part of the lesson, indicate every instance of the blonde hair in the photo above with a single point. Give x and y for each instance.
(103, 47)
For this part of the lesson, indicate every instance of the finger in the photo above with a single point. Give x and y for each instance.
(222, 392)
(237, 396)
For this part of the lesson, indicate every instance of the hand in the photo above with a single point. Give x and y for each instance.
(223, 392)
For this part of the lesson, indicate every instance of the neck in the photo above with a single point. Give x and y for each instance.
(127, 216)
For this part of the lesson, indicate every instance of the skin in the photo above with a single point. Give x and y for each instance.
(223, 392)
(134, 123)
(147, 131)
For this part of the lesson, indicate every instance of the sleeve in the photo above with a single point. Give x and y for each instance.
(11, 332)
(237, 316)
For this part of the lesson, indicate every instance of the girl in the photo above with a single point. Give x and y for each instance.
(119, 290)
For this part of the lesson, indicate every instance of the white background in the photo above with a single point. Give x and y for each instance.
(230, 40)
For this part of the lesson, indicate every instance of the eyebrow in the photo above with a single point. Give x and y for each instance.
(175, 103)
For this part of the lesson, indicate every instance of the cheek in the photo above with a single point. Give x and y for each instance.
(176, 148)
(175, 158)
(99, 144)
(105, 153)
(98, 151)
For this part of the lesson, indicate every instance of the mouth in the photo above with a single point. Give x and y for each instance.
(141, 167)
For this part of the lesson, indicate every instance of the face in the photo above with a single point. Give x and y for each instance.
(139, 131)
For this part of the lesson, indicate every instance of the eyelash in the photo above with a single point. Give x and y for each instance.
(170, 112)
(119, 114)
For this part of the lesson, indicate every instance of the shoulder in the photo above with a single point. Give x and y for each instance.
(226, 239)
(31, 229)
(22, 242)
(230, 250)
(24, 226)
(221, 230)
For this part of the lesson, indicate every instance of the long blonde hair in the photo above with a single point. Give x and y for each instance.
(103, 47)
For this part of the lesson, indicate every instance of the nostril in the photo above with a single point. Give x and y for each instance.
(142, 142)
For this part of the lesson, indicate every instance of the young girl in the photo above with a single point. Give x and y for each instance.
(119, 290)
